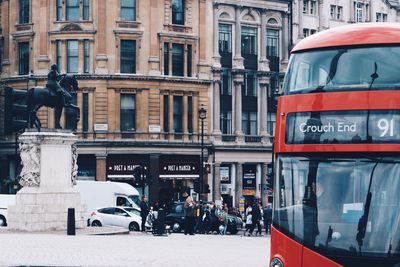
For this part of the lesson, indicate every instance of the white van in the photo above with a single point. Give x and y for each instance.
(5, 201)
(95, 194)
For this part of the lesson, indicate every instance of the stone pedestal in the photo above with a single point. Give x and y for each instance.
(48, 175)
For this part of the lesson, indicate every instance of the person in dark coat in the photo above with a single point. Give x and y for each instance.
(268, 219)
(52, 83)
(256, 217)
(190, 213)
(144, 211)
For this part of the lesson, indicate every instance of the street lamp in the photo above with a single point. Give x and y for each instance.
(202, 116)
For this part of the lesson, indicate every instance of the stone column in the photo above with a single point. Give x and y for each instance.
(217, 182)
(238, 183)
(216, 56)
(237, 59)
(5, 22)
(154, 60)
(237, 108)
(263, 107)
(216, 105)
(264, 62)
(285, 30)
(101, 160)
(101, 57)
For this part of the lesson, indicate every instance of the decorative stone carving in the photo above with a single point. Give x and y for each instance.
(30, 158)
(74, 167)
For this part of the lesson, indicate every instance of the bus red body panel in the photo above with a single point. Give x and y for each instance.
(352, 35)
(286, 249)
(293, 254)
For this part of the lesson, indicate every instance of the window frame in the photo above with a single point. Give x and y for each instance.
(71, 57)
(131, 8)
(86, 56)
(125, 59)
(174, 13)
(178, 114)
(69, 10)
(128, 114)
(24, 11)
(23, 56)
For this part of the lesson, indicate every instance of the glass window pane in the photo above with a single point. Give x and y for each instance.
(127, 115)
(59, 10)
(177, 59)
(128, 56)
(24, 58)
(178, 12)
(128, 10)
(85, 9)
(86, 51)
(24, 11)
(72, 56)
(178, 114)
(73, 10)
(249, 40)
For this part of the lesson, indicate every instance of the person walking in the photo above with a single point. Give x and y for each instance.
(249, 224)
(190, 212)
(256, 217)
(268, 219)
(258, 223)
(144, 211)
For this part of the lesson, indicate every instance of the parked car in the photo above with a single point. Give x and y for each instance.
(3, 216)
(125, 217)
(5, 201)
(176, 220)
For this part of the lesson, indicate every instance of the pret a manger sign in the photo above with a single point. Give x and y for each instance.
(353, 126)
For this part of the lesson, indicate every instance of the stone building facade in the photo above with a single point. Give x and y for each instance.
(143, 68)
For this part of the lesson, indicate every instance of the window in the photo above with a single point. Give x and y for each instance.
(226, 122)
(359, 12)
(86, 51)
(250, 88)
(128, 10)
(177, 59)
(339, 13)
(85, 112)
(178, 14)
(23, 56)
(190, 114)
(166, 114)
(23, 11)
(381, 17)
(271, 121)
(72, 10)
(249, 122)
(249, 41)
(272, 43)
(333, 12)
(85, 9)
(178, 114)
(308, 32)
(128, 56)
(58, 55)
(72, 56)
(312, 7)
(189, 60)
(166, 58)
(225, 38)
(128, 112)
(226, 87)
(305, 6)
(59, 10)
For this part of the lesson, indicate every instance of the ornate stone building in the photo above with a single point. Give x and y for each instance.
(144, 70)
(311, 16)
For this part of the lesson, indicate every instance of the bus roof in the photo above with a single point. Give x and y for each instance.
(354, 34)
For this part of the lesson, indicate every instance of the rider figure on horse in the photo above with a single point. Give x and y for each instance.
(52, 83)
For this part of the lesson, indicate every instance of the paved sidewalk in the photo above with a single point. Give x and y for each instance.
(135, 249)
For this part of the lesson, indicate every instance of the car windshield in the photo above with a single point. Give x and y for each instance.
(342, 205)
(339, 69)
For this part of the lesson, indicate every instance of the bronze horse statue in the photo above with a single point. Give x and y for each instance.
(41, 96)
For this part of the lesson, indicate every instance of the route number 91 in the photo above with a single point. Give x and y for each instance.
(386, 126)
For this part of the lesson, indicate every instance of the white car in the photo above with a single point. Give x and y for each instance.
(3, 216)
(117, 216)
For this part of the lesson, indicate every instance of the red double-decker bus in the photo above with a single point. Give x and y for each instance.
(337, 151)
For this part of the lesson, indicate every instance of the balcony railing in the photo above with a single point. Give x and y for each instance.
(252, 138)
(228, 138)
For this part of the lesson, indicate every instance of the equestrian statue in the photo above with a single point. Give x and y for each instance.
(56, 94)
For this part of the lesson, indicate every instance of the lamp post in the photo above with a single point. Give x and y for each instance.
(202, 116)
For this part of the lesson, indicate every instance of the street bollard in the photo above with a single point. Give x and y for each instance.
(71, 222)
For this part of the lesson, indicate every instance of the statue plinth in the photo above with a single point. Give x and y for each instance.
(48, 177)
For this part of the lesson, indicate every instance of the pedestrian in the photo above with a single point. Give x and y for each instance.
(256, 218)
(144, 211)
(224, 220)
(214, 222)
(268, 219)
(249, 224)
(258, 223)
(190, 212)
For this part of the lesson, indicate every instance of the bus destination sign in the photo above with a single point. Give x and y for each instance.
(343, 127)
